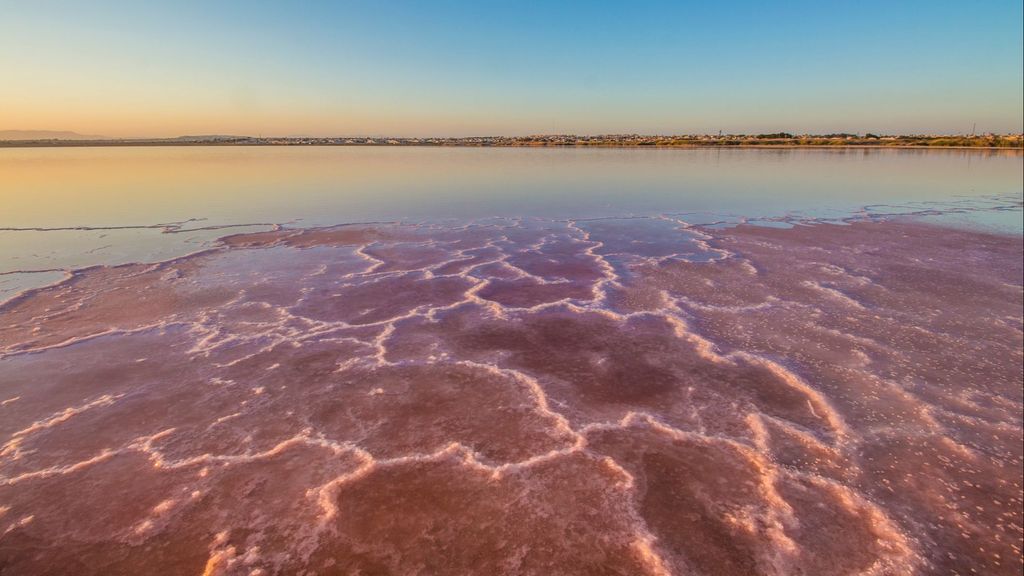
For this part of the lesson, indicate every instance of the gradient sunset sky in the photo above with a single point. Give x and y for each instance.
(484, 68)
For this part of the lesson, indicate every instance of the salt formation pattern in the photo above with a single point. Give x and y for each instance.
(621, 396)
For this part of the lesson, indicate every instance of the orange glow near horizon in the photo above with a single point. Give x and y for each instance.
(122, 69)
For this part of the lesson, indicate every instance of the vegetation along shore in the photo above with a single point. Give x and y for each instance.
(781, 139)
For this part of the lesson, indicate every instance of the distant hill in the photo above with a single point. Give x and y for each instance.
(46, 135)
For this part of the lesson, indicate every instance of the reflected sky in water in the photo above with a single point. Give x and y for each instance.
(204, 187)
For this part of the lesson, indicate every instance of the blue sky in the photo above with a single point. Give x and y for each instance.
(466, 68)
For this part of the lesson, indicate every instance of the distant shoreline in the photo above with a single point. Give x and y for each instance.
(782, 140)
(105, 144)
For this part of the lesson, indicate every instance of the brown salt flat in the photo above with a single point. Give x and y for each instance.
(523, 397)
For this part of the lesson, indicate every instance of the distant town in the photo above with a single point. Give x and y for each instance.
(780, 139)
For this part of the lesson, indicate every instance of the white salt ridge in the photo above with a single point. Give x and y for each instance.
(302, 389)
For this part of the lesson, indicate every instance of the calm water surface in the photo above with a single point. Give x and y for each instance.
(117, 199)
(626, 395)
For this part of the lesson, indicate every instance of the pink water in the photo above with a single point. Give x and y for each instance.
(523, 396)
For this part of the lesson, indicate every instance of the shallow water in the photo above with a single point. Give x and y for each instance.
(833, 391)
(148, 204)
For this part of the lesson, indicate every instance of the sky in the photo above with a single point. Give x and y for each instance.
(440, 68)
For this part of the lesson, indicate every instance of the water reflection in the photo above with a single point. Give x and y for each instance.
(206, 187)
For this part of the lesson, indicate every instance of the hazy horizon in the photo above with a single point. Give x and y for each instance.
(456, 69)
(11, 135)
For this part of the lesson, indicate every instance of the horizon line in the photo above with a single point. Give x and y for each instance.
(68, 135)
